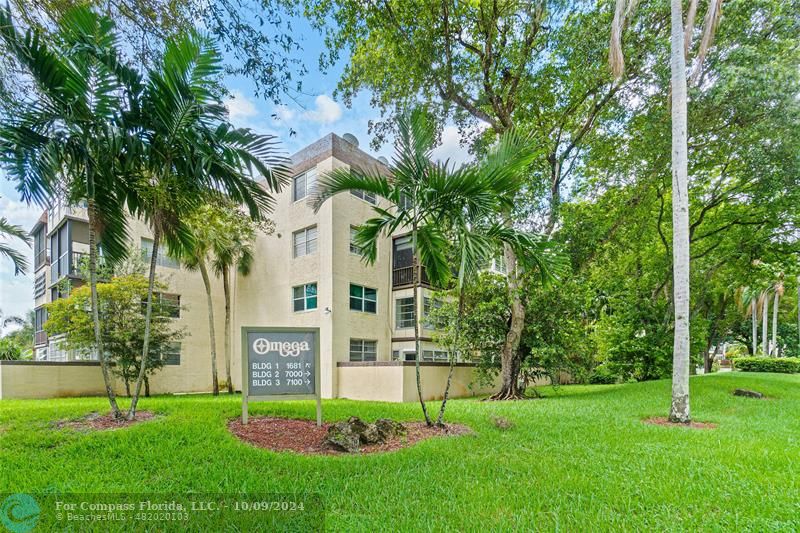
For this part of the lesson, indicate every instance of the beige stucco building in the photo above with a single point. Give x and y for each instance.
(308, 272)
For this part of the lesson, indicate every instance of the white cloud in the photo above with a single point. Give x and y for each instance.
(240, 107)
(16, 292)
(326, 111)
(284, 113)
(451, 149)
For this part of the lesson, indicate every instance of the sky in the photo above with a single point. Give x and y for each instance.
(311, 117)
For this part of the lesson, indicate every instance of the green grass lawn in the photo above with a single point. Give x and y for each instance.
(578, 459)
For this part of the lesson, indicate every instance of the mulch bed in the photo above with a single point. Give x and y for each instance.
(303, 436)
(664, 421)
(96, 422)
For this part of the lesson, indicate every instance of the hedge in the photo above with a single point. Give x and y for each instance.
(784, 365)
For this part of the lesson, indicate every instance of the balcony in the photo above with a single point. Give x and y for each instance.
(404, 276)
(73, 264)
(40, 259)
(40, 338)
(57, 212)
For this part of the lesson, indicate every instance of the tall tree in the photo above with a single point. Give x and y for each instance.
(208, 225)
(66, 138)
(680, 45)
(186, 150)
(231, 253)
(523, 64)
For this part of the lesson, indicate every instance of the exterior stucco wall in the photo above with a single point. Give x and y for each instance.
(41, 379)
(397, 382)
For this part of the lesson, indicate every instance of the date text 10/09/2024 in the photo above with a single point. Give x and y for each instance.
(199, 505)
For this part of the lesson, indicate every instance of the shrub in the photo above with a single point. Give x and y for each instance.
(784, 365)
(603, 375)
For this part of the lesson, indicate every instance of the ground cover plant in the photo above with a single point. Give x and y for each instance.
(580, 458)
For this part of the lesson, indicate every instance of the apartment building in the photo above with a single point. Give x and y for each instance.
(308, 272)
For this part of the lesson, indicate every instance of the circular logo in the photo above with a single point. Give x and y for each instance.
(19, 513)
(261, 346)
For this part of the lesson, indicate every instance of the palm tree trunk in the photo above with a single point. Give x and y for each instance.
(679, 410)
(98, 339)
(417, 342)
(151, 279)
(509, 363)
(774, 348)
(765, 323)
(226, 287)
(453, 353)
(798, 312)
(211, 333)
(755, 327)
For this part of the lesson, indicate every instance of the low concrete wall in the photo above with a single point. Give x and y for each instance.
(396, 381)
(50, 379)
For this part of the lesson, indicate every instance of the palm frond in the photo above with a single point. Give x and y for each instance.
(10, 230)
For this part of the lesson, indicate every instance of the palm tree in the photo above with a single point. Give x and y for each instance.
(435, 202)
(778, 290)
(66, 139)
(7, 230)
(233, 250)
(407, 188)
(747, 301)
(680, 47)
(208, 234)
(481, 193)
(188, 151)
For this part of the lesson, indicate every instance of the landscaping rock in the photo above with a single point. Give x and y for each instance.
(502, 423)
(341, 436)
(747, 393)
(389, 428)
(372, 435)
(357, 425)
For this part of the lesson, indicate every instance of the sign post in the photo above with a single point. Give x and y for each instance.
(280, 364)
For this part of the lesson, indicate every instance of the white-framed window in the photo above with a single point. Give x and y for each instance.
(429, 304)
(354, 248)
(171, 353)
(304, 241)
(304, 184)
(363, 299)
(368, 197)
(363, 350)
(304, 297)
(163, 259)
(168, 305)
(435, 355)
(404, 313)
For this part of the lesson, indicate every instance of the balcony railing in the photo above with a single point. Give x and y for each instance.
(405, 276)
(39, 338)
(40, 259)
(39, 285)
(57, 212)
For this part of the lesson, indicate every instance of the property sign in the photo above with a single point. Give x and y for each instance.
(280, 364)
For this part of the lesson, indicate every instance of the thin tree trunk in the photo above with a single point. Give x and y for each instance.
(453, 353)
(755, 327)
(774, 348)
(679, 410)
(798, 313)
(415, 275)
(765, 323)
(98, 340)
(509, 357)
(211, 333)
(146, 387)
(226, 287)
(147, 321)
